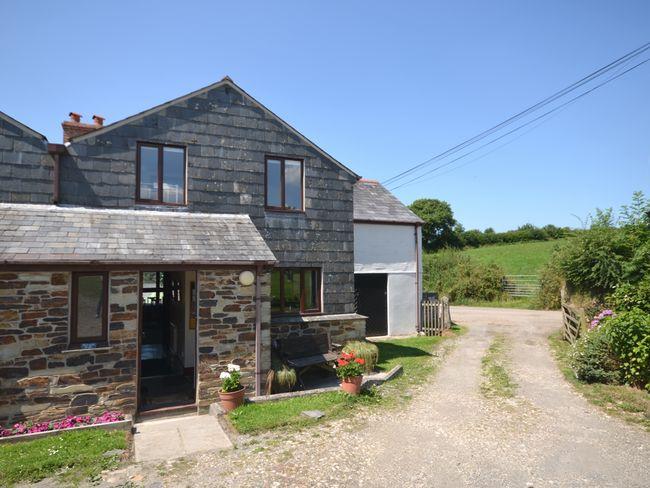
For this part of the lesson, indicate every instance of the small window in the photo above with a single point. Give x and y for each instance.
(295, 290)
(284, 184)
(89, 316)
(160, 174)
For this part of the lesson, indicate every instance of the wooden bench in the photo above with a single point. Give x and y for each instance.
(303, 352)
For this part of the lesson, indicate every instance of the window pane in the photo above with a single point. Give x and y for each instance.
(173, 175)
(275, 291)
(273, 183)
(148, 173)
(90, 298)
(291, 290)
(311, 289)
(293, 184)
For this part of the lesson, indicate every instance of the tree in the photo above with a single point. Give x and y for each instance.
(439, 222)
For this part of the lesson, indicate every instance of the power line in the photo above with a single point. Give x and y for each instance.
(545, 114)
(590, 77)
(519, 136)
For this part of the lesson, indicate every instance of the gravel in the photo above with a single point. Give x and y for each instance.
(448, 434)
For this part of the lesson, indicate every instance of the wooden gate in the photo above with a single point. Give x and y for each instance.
(571, 323)
(435, 317)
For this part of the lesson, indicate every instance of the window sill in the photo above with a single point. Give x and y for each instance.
(74, 349)
(283, 210)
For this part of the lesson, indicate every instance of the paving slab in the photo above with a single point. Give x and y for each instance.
(163, 439)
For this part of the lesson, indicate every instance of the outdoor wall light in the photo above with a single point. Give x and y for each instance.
(246, 278)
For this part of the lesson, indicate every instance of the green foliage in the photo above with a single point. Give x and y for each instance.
(627, 296)
(551, 281)
(524, 233)
(368, 351)
(455, 274)
(517, 258)
(231, 381)
(629, 337)
(437, 231)
(71, 456)
(593, 360)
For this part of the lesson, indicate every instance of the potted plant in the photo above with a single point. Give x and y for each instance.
(232, 391)
(349, 370)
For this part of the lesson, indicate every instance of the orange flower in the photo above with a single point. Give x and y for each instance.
(342, 362)
(360, 361)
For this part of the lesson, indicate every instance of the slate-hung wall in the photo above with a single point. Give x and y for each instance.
(227, 138)
(26, 168)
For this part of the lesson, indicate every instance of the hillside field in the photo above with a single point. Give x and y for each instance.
(519, 258)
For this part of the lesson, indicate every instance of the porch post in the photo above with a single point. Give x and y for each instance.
(258, 330)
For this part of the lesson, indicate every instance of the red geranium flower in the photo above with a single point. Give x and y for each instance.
(360, 361)
(343, 362)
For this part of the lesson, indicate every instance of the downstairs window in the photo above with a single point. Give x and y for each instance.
(295, 290)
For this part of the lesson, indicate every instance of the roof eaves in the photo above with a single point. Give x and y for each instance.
(22, 126)
(226, 80)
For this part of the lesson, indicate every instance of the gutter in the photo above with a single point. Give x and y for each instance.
(258, 330)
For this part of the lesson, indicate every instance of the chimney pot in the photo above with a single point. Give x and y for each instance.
(75, 117)
(98, 120)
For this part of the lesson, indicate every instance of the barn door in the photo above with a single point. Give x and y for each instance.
(371, 297)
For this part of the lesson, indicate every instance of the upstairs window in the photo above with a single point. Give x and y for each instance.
(89, 316)
(284, 184)
(160, 174)
(295, 290)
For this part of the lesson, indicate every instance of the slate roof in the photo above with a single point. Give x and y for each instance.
(374, 203)
(47, 234)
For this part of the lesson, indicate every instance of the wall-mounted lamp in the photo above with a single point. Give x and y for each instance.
(246, 278)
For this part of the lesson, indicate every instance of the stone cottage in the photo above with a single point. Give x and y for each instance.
(138, 258)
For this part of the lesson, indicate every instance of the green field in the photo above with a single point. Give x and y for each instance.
(520, 258)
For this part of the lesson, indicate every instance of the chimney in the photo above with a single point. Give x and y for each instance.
(74, 127)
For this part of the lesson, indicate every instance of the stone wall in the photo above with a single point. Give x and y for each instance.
(226, 330)
(342, 328)
(40, 379)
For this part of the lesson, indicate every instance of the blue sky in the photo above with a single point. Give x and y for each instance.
(379, 85)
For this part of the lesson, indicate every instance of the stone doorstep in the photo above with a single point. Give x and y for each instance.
(125, 424)
(368, 381)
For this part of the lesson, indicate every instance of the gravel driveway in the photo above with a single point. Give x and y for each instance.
(449, 434)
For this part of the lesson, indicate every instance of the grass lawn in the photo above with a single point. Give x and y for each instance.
(518, 258)
(496, 379)
(630, 404)
(413, 353)
(71, 457)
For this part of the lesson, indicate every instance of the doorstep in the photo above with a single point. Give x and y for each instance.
(171, 438)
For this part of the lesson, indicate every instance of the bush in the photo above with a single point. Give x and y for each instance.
(368, 351)
(550, 285)
(456, 275)
(629, 337)
(627, 296)
(593, 360)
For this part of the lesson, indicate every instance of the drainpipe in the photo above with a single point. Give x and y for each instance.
(418, 296)
(56, 150)
(258, 330)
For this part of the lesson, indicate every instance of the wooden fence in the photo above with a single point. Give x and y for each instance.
(571, 323)
(521, 285)
(435, 317)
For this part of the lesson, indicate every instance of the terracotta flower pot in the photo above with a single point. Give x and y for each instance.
(352, 385)
(231, 400)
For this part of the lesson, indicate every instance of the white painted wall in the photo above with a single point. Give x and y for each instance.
(384, 248)
(391, 249)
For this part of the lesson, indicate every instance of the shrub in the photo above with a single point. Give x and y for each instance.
(551, 281)
(629, 337)
(368, 351)
(452, 273)
(627, 296)
(593, 360)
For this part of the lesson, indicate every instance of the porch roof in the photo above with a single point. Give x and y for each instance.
(53, 235)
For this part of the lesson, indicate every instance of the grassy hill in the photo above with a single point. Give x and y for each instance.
(519, 258)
